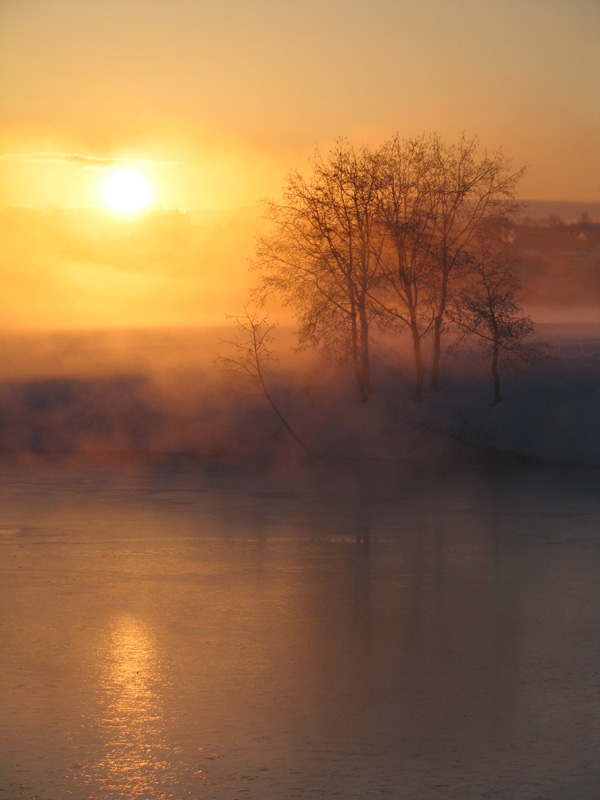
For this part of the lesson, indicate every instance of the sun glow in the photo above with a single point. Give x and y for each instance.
(126, 190)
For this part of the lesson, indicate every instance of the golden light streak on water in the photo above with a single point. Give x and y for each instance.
(136, 756)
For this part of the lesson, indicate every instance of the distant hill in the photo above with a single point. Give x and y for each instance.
(565, 209)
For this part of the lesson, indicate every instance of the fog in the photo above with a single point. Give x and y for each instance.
(192, 606)
(87, 268)
(161, 391)
(232, 568)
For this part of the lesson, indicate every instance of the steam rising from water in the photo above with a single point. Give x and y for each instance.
(160, 392)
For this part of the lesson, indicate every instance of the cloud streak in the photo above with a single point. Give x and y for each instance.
(85, 161)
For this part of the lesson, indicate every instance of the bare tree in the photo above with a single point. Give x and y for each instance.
(407, 204)
(251, 351)
(471, 189)
(322, 255)
(487, 308)
(381, 235)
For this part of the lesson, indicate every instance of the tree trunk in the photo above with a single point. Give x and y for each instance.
(275, 407)
(437, 334)
(419, 368)
(495, 374)
(411, 304)
(357, 360)
(364, 351)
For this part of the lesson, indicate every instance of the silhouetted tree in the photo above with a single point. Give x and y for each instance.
(487, 308)
(382, 235)
(471, 189)
(251, 351)
(407, 204)
(322, 255)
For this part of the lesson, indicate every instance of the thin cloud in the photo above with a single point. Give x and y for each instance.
(87, 162)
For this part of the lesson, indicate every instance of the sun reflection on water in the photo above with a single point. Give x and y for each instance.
(137, 756)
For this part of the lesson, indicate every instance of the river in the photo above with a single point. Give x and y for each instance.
(181, 629)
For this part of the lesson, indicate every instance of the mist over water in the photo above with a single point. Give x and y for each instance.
(192, 608)
(160, 391)
(231, 567)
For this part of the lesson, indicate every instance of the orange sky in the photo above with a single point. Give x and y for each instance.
(237, 91)
(215, 101)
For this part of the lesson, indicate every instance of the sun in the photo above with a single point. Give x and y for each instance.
(126, 190)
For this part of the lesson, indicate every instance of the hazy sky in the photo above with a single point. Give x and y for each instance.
(212, 103)
(229, 95)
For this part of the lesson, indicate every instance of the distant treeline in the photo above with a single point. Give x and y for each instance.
(558, 262)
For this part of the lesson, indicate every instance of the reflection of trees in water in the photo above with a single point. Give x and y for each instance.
(462, 627)
(432, 622)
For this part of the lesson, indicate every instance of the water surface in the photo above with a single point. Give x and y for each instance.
(189, 630)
